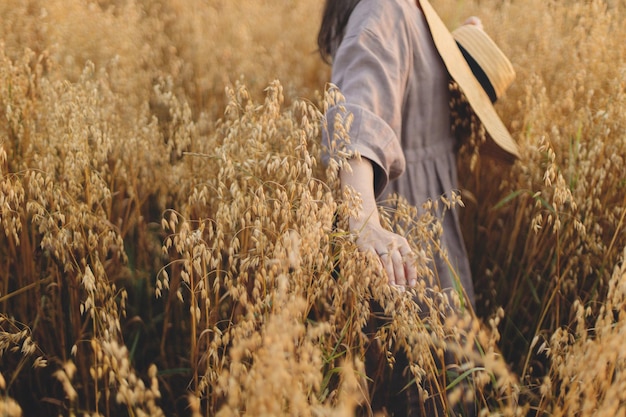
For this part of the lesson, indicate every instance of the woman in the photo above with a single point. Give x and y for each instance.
(396, 86)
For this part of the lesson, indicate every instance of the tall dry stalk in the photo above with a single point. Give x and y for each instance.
(104, 136)
(545, 234)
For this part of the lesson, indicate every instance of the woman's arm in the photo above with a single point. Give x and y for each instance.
(392, 249)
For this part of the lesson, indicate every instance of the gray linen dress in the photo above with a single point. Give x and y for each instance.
(396, 86)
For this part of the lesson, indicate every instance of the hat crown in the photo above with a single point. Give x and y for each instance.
(489, 59)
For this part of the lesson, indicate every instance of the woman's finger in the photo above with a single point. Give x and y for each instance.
(410, 270)
(385, 258)
(398, 268)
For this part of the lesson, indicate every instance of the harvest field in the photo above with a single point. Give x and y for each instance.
(171, 245)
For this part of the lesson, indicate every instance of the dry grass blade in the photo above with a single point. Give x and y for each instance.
(128, 169)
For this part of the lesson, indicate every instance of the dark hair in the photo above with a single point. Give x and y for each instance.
(334, 21)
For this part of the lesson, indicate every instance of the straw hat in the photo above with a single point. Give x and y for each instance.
(482, 72)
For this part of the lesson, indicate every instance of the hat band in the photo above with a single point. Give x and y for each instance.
(480, 75)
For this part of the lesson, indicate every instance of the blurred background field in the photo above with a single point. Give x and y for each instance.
(169, 240)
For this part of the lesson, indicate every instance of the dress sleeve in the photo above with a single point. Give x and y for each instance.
(371, 73)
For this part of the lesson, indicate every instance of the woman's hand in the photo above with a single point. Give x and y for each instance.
(473, 20)
(393, 250)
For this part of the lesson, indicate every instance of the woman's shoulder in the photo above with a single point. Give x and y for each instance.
(380, 17)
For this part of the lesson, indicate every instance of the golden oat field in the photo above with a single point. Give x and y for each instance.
(172, 245)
